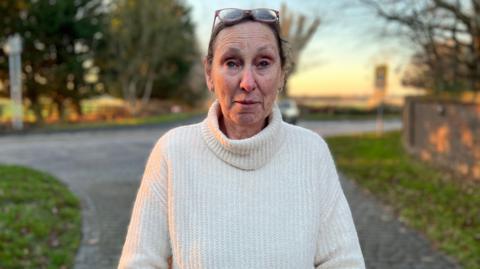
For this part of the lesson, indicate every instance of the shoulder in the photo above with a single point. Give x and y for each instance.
(306, 139)
(314, 152)
(316, 156)
(178, 137)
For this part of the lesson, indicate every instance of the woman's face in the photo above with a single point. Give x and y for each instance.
(245, 73)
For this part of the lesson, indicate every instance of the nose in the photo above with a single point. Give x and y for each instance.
(248, 81)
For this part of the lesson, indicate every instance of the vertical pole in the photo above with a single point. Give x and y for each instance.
(380, 117)
(17, 93)
(412, 123)
(14, 49)
(380, 91)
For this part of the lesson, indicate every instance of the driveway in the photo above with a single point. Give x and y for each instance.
(104, 168)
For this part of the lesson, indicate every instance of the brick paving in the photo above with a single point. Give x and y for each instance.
(104, 168)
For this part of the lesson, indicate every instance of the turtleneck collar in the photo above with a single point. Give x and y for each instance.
(247, 154)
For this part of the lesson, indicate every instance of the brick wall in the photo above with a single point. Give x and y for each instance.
(446, 133)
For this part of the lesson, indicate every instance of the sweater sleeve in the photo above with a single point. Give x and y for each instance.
(337, 242)
(147, 244)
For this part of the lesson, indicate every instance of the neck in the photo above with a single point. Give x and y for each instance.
(234, 131)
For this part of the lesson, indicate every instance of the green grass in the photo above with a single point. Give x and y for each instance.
(151, 120)
(40, 220)
(331, 117)
(446, 209)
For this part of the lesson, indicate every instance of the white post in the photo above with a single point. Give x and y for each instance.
(13, 48)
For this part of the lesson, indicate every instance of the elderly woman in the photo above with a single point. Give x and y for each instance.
(242, 189)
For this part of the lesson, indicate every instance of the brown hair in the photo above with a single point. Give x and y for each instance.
(275, 27)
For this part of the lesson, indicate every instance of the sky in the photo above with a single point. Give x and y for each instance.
(340, 58)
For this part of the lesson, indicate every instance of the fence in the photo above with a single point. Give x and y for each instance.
(446, 133)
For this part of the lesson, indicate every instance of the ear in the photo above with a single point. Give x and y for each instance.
(207, 68)
(283, 78)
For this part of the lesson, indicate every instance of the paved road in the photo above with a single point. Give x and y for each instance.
(104, 168)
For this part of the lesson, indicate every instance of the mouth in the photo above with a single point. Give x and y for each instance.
(246, 102)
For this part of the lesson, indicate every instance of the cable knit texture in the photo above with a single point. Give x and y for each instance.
(269, 201)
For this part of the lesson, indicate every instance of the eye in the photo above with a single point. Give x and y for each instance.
(263, 63)
(231, 64)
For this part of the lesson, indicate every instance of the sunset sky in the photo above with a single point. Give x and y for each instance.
(341, 57)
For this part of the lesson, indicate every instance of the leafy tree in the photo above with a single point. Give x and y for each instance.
(58, 37)
(152, 50)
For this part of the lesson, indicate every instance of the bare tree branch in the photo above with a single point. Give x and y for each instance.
(449, 38)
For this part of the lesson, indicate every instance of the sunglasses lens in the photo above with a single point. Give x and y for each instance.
(263, 14)
(230, 14)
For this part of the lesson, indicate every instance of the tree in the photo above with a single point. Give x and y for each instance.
(153, 46)
(440, 72)
(58, 37)
(447, 35)
(297, 34)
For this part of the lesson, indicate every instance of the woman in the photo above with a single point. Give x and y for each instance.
(242, 189)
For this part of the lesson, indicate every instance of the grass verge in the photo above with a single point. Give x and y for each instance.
(123, 122)
(446, 209)
(332, 117)
(150, 120)
(40, 220)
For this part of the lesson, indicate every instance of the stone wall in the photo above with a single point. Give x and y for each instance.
(446, 133)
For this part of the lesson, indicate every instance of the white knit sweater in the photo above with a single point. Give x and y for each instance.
(271, 201)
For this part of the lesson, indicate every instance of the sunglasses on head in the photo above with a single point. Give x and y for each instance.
(230, 16)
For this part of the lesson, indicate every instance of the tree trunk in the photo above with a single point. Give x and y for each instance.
(60, 109)
(37, 111)
(132, 97)
(77, 106)
(148, 91)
